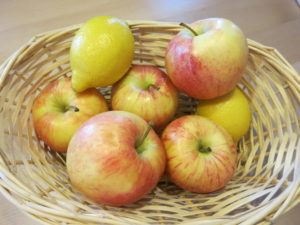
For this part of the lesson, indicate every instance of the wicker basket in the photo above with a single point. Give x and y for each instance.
(266, 183)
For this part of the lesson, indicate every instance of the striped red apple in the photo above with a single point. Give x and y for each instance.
(115, 158)
(58, 111)
(201, 155)
(207, 59)
(147, 92)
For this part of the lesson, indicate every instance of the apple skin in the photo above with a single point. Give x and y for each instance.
(134, 93)
(103, 162)
(190, 169)
(55, 124)
(210, 64)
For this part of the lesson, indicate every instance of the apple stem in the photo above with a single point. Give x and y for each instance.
(72, 107)
(204, 150)
(140, 141)
(189, 28)
(153, 86)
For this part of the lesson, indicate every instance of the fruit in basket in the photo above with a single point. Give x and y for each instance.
(58, 111)
(231, 111)
(113, 160)
(147, 92)
(207, 59)
(101, 52)
(201, 155)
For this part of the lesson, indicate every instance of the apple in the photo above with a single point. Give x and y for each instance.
(207, 59)
(147, 92)
(201, 155)
(115, 158)
(58, 111)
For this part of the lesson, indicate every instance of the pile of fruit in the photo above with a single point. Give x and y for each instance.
(114, 152)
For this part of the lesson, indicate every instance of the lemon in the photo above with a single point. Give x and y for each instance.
(101, 52)
(232, 111)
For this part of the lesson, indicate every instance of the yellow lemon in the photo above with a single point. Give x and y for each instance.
(101, 52)
(232, 111)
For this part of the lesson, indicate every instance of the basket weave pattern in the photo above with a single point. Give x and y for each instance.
(266, 182)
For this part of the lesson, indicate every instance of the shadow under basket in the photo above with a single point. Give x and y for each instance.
(265, 185)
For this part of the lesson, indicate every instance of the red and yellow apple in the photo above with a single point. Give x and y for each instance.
(115, 158)
(147, 92)
(58, 111)
(201, 155)
(207, 59)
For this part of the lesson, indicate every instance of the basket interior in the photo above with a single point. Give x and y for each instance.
(35, 177)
